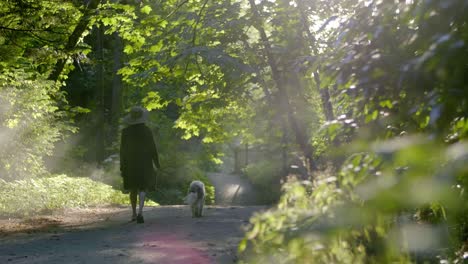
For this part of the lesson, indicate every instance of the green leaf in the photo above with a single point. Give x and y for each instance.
(387, 103)
(157, 47)
(163, 23)
(154, 101)
(242, 245)
(128, 49)
(146, 9)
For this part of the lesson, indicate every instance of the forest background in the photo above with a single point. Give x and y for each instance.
(349, 116)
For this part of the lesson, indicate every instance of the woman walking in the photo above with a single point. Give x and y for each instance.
(137, 155)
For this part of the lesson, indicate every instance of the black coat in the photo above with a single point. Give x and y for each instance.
(137, 154)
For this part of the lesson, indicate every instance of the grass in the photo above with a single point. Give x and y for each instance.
(34, 196)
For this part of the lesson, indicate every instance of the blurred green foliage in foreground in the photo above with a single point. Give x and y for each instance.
(403, 202)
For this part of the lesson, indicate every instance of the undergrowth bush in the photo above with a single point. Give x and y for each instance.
(174, 177)
(33, 196)
(265, 176)
(30, 123)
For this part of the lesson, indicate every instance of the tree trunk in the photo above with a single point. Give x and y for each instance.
(324, 92)
(325, 99)
(246, 155)
(271, 104)
(116, 86)
(82, 25)
(100, 88)
(237, 167)
(300, 135)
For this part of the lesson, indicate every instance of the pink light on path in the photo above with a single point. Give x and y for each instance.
(157, 247)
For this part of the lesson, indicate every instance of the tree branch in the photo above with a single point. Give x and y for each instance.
(195, 25)
(74, 37)
(30, 30)
(194, 36)
(177, 8)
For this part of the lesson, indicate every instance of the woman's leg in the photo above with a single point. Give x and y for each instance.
(140, 218)
(142, 202)
(133, 200)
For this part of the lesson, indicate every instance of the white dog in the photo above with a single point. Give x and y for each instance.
(196, 198)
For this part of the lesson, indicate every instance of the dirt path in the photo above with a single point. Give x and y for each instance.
(169, 235)
(105, 235)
